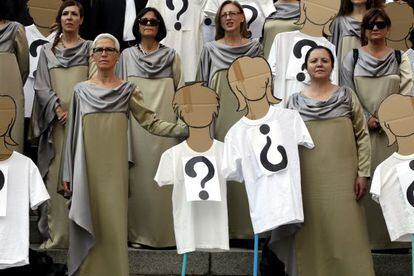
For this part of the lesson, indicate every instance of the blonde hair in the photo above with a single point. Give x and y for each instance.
(8, 106)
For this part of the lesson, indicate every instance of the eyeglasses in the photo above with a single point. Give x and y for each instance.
(380, 25)
(231, 14)
(108, 50)
(148, 21)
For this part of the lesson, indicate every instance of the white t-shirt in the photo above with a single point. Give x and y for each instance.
(130, 14)
(183, 35)
(25, 188)
(197, 224)
(255, 12)
(272, 180)
(286, 59)
(391, 193)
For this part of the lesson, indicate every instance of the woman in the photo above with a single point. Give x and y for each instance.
(333, 239)
(232, 41)
(283, 20)
(375, 71)
(62, 64)
(14, 69)
(95, 170)
(156, 70)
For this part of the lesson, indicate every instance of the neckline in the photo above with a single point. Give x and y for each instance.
(8, 159)
(260, 120)
(403, 157)
(198, 152)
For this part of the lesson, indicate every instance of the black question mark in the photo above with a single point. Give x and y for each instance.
(410, 190)
(2, 180)
(265, 129)
(254, 14)
(170, 5)
(297, 51)
(189, 170)
(35, 44)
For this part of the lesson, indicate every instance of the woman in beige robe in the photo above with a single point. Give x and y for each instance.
(333, 239)
(156, 70)
(374, 72)
(231, 42)
(62, 64)
(95, 167)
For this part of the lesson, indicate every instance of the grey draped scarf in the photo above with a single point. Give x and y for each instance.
(157, 64)
(285, 11)
(46, 99)
(338, 105)
(341, 27)
(7, 35)
(216, 56)
(87, 99)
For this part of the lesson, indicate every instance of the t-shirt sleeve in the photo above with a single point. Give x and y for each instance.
(165, 171)
(37, 189)
(302, 134)
(231, 166)
(376, 184)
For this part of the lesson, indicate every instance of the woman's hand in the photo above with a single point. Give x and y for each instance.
(373, 123)
(66, 188)
(61, 115)
(361, 186)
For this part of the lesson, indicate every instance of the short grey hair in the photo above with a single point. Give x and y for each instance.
(107, 36)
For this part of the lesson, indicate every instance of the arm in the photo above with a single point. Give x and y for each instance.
(346, 77)
(22, 53)
(93, 69)
(406, 76)
(149, 120)
(177, 72)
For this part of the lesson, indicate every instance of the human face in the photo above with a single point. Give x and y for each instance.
(376, 29)
(147, 27)
(231, 18)
(105, 60)
(319, 65)
(71, 19)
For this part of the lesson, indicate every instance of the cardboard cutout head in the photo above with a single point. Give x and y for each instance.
(317, 15)
(402, 19)
(250, 79)
(396, 116)
(7, 119)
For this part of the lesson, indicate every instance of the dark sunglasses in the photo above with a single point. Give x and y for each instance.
(148, 21)
(108, 50)
(380, 25)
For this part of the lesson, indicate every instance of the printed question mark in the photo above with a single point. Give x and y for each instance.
(170, 5)
(1, 180)
(35, 44)
(208, 21)
(254, 14)
(189, 170)
(297, 51)
(265, 129)
(410, 190)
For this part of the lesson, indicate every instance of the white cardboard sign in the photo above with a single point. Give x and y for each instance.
(406, 178)
(3, 190)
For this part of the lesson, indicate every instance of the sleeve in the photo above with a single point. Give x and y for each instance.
(121, 70)
(362, 138)
(272, 63)
(165, 171)
(301, 132)
(346, 77)
(375, 189)
(148, 119)
(37, 189)
(22, 53)
(335, 29)
(406, 76)
(203, 71)
(177, 72)
(93, 69)
(231, 167)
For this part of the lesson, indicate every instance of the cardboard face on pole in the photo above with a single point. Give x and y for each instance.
(402, 22)
(198, 106)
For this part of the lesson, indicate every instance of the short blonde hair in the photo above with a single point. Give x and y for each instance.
(8, 106)
(106, 36)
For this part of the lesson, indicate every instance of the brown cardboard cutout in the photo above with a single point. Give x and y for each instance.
(197, 106)
(317, 15)
(7, 119)
(250, 80)
(402, 22)
(44, 13)
(396, 116)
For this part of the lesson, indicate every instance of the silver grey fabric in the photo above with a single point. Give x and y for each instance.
(7, 35)
(341, 27)
(216, 56)
(338, 105)
(46, 99)
(285, 11)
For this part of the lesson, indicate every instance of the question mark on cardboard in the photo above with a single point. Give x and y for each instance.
(265, 129)
(189, 170)
(297, 51)
(170, 5)
(2, 180)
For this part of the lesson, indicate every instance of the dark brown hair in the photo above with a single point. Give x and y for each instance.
(243, 25)
(369, 17)
(347, 7)
(162, 30)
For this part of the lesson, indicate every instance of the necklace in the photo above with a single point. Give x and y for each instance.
(146, 52)
(63, 43)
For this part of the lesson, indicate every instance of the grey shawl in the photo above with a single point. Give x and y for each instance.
(157, 64)
(285, 11)
(7, 35)
(338, 105)
(46, 99)
(216, 56)
(87, 99)
(367, 66)
(341, 27)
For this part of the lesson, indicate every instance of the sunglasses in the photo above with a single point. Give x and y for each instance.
(148, 22)
(108, 50)
(380, 25)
